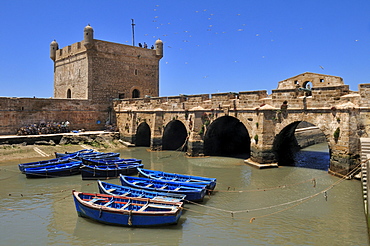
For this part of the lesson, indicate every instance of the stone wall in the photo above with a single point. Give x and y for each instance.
(105, 71)
(309, 136)
(82, 114)
(71, 72)
(340, 115)
(117, 70)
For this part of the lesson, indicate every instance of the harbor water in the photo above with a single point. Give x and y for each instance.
(301, 205)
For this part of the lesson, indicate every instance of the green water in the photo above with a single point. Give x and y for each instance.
(41, 211)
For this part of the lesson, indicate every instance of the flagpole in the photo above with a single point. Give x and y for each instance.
(133, 32)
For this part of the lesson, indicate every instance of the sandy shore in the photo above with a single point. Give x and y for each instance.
(19, 152)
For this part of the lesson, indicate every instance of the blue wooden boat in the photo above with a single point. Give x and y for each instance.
(109, 161)
(126, 211)
(91, 155)
(55, 161)
(54, 170)
(83, 151)
(193, 192)
(119, 190)
(153, 174)
(108, 171)
(98, 155)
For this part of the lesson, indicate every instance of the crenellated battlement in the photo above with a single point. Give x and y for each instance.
(101, 71)
(117, 50)
(319, 97)
(70, 50)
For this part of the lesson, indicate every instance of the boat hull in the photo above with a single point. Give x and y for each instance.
(119, 190)
(83, 151)
(159, 175)
(101, 172)
(194, 193)
(87, 161)
(45, 163)
(123, 217)
(89, 155)
(52, 171)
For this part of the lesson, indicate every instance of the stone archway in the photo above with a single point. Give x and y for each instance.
(143, 133)
(174, 136)
(288, 143)
(227, 136)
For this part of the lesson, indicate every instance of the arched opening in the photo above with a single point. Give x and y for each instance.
(142, 137)
(135, 93)
(174, 136)
(307, 86)
(302, 144)
(69, 93)
(227, 136)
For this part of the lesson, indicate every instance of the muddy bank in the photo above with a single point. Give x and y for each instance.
(47, 146)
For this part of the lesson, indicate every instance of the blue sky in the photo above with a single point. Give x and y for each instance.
(210, 46)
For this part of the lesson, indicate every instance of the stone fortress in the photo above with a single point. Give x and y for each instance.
(88, 76)
(101, 71)
(98, 82)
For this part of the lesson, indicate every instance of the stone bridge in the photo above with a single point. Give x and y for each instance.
(253, 124)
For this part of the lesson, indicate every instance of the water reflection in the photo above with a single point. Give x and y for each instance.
(316, 156)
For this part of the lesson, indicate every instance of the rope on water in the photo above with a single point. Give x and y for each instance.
(272, 188)
(31, 208)
(41, 194)
(294, 202)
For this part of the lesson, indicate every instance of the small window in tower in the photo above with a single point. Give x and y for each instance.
(69, 93)
(135, 93)
(136, 72)
(121, 95)
(322, 80)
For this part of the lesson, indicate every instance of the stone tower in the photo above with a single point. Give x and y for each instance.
(101, 71)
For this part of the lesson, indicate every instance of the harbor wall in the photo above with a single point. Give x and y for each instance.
(82, 114)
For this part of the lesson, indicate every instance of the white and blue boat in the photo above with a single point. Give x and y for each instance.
(119, 190)
(153, 174)
(126, 211)
(193, 192)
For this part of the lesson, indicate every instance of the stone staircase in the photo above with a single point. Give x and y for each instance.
(365, 154)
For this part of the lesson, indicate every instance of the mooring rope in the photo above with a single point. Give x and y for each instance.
(233, 212)
(297, 201)
(313, 180)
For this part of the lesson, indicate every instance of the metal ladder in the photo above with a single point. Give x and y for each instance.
(365, 155)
